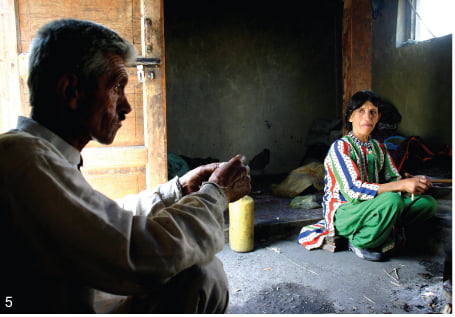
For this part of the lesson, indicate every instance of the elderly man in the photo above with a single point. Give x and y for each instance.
(61, 238)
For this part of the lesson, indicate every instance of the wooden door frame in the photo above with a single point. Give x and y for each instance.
(152, 33)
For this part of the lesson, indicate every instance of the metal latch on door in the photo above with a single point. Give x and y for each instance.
(147, 64)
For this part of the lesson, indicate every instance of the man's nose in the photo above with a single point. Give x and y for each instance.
(124, 106)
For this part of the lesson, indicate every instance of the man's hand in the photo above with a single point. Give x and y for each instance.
(193, 179)
(233, 177)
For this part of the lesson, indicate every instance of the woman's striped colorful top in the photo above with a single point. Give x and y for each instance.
(353, 172)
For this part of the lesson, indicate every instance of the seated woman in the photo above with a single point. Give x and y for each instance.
(365, 198)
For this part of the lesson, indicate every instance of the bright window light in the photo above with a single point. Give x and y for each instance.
(434, 18)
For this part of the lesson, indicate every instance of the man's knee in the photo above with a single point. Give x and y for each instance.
(213, 287)
(199, 289)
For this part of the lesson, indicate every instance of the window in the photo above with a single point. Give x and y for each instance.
(421, 20)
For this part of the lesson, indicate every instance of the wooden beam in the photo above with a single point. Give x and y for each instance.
(357, 47)
(152, 30)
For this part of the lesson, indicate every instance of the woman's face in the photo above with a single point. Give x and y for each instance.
(364, 120)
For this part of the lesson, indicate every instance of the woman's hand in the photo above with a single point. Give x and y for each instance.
(416, 185)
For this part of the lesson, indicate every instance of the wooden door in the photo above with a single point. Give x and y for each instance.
(137, 159)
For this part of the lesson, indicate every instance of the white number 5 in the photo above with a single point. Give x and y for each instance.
(9, 301)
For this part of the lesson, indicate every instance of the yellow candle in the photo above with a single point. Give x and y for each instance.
(241, 224)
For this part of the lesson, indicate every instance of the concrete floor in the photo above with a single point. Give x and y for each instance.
(280, 276)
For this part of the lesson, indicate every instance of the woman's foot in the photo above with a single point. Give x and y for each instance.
(366, 254)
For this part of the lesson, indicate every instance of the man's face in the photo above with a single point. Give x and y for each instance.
(106, 106)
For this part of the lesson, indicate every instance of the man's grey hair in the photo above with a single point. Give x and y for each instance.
(74, 46)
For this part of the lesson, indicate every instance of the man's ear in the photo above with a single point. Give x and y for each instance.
(67, 90)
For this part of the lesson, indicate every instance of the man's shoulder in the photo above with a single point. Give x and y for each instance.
(18, 138)
(20, 142)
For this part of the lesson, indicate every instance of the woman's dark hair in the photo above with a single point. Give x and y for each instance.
(356, 101)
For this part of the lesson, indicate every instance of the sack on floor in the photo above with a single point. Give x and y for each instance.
(300, 179)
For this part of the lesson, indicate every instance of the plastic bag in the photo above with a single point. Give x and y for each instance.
(305, 202)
